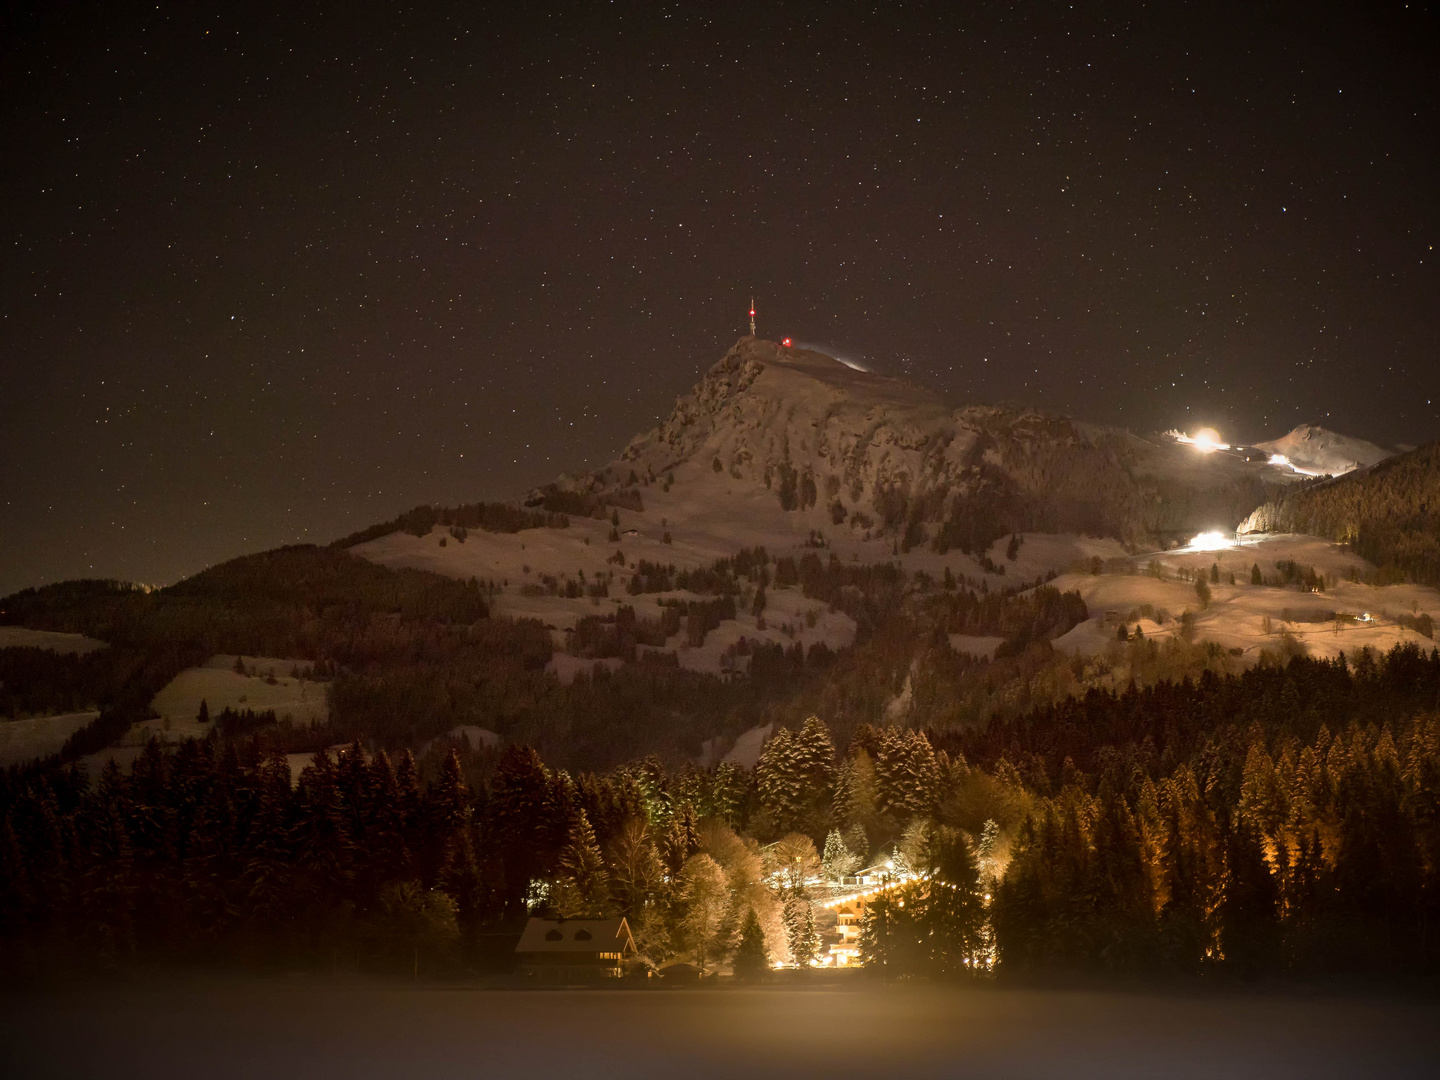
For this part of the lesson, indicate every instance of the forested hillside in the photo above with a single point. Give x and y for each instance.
(1389, 513)
(408, 655)
(1283, 821)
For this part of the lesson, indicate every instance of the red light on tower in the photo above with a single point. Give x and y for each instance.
(786, 343)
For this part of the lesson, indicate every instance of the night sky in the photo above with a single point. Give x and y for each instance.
(270, 277)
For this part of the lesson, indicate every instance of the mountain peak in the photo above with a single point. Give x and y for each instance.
(1318, 451)
(779, 439)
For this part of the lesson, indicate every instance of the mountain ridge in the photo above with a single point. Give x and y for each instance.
(882, 455)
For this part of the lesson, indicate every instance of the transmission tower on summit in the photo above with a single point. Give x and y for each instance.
(752, 316)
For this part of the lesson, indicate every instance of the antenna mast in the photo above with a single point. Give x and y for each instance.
(752, 316)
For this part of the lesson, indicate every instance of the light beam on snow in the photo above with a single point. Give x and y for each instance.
(1283, 462)
(854, 365)
(1206, 440)
(1212, 541)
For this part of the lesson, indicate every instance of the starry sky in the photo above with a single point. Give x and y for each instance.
(270, 275)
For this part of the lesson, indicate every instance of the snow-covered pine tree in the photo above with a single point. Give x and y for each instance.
(986, 849)
(854, 804)
(682, 839)
(583, 888)
(777, 777)
(838, 860)
(800, 929)
(814, 757)
(907, 773)
(727, 792)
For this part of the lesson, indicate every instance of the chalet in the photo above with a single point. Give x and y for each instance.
(574, 950)
(846, 951)
(871, 878)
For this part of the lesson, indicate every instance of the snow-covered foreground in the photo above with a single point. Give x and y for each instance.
(278, 1029)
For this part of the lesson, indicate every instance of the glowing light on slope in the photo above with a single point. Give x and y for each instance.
(1206, 440)
(1212, 541)
(1283, 462)
(833, 353)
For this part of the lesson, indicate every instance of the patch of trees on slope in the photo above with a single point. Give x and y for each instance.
(1389, 514)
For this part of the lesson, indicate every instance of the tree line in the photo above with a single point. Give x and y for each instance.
(1286, 820)
(1385, 513)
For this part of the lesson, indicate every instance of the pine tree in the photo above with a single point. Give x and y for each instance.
(752, 960)
(324, 851)
(907, 774)
(265, 882)
(727, 792)
(519, 820)
(778, 781)
(387, 849)
(459, 877)
(682, 839)
(813, 762)
(105, 889)
(583, 888)
(1249, 929)
(410, 804)
(800, 930)
(856, 804)
(447, 803)
(838, 860)
(876, 938)
(950, 920)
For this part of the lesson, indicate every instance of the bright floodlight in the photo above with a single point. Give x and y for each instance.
(1211, 541)
(1206, 440)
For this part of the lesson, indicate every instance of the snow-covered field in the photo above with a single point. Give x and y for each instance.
(219, 686)
(38, 736)
(1237, 615)
(16, 637)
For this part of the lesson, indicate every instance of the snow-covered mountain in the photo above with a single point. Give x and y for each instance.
(793, 451)
(860, 455)
(1316, 451)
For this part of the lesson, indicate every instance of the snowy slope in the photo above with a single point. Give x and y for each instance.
(1317, 451)
(794, 451)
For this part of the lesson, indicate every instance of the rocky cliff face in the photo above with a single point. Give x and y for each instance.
(879, 455)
